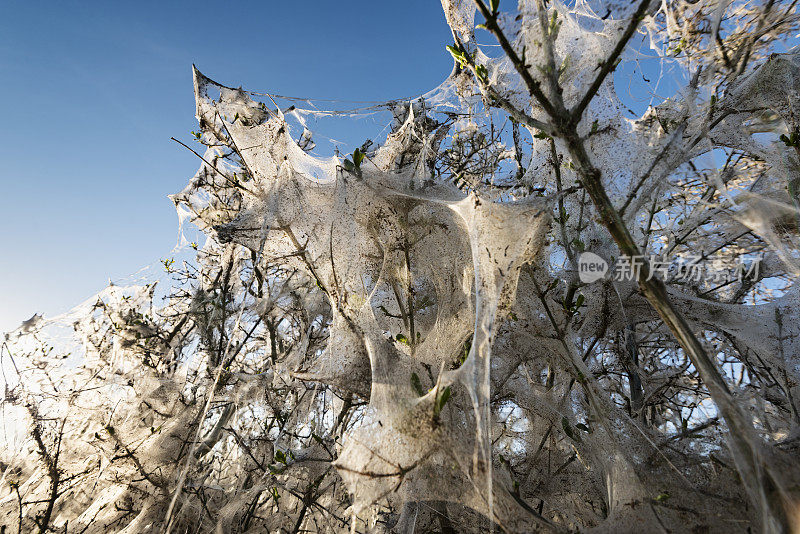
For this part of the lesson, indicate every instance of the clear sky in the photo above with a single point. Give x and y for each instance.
(92, 91)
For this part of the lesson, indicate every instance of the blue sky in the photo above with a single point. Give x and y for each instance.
(92, 92)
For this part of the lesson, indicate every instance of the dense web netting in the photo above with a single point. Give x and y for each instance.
(396, 336)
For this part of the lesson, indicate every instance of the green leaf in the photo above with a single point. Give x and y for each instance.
(280, 457)
(403, 339)
(564, 66)
(555, 25)
(464, 353)
(661, 497)
(441, 400)
(792, 139)
(417, 384)
(583, 427)
(594, 126)
(458, 54)
(358, 157)
(569, 431)
(482, 74)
